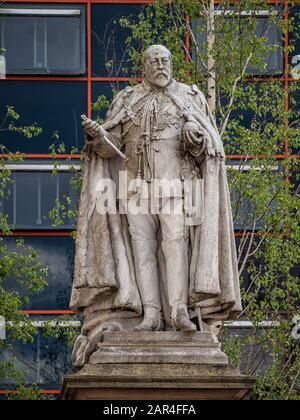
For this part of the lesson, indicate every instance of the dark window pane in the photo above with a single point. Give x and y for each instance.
(107, 90)
(34, 194)
(21, 58)
(44, 362)
(58, 254)
(273, 59)
(67, 58)
(25, 199)
(294, 106)
(44, 45)
(246, 122)
(244, 210)
(108, 39)
(294, 40)
(55, 106)
(264, 28)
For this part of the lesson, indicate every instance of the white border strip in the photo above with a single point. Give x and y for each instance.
(34, 167)
(245, 168)
(40, 12)
(61, 167)
(248, 13)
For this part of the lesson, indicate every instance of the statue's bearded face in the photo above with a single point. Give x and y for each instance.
(158, 67)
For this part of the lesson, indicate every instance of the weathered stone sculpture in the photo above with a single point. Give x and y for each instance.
(157, 270)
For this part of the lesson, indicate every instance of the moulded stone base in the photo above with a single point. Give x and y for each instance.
(156, 382)
(157, 366)
(159, 347)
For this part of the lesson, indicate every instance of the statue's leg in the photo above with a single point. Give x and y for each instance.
(175, 249)
(143, 230)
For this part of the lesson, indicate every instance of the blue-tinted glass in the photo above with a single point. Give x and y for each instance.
(44, 362)
(33, 195)
(44, 44)
(107, 90)
(294, 40)
(242, 207)
(55, 106)
(294, 106)
(108, 39)
(254, 358)
(255, 117)
(58, 254)
(273, 59)
(264, 28)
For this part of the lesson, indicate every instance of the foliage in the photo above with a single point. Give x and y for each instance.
(9, 123)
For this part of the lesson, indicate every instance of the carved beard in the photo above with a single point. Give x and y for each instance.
(160, 78)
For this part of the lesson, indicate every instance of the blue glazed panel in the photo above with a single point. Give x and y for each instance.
(54, 106)
(58, 254)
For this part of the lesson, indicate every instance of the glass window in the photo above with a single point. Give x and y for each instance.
(273, 60)
(243, 208)
(104, 90)
(34, 194)
(43, 39)
(57, 253)
(109, 39)
(294, 40)
(44, 362)
(56, 108)
(294, 107)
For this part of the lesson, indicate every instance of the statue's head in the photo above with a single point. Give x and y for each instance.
(157, 65)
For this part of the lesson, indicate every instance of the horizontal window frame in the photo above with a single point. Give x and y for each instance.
(41, 173)
(48, 11)
(41, 167)
(248, 13)
(40, 12)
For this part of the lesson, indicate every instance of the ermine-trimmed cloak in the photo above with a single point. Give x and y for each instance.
(104, 286)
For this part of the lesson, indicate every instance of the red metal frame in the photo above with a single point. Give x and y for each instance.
(48, 312)
(47, 78)
(269, 1)
(187, 40)
(44, 391)
(40, 156)
(89, 58)
(286, 75)
(33, 233)
(84, 1)
(116, 1)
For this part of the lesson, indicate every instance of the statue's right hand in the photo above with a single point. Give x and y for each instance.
(92, 128)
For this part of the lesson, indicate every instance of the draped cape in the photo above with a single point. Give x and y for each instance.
(104, 278)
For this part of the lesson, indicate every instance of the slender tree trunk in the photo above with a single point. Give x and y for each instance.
(211, 81)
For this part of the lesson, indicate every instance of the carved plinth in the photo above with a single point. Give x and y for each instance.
(157, 365)
(160, 347)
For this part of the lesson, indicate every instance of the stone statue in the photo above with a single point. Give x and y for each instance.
(155, 270)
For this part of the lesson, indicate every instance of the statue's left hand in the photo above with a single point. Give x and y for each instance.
(193, 137)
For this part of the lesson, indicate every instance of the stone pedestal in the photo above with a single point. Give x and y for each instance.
(158, 366)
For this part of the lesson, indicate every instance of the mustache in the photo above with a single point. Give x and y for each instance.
(162, 73)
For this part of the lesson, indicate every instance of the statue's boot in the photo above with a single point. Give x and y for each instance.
(152, 320)
(181, 320)
(176, 255)
(145, 261)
